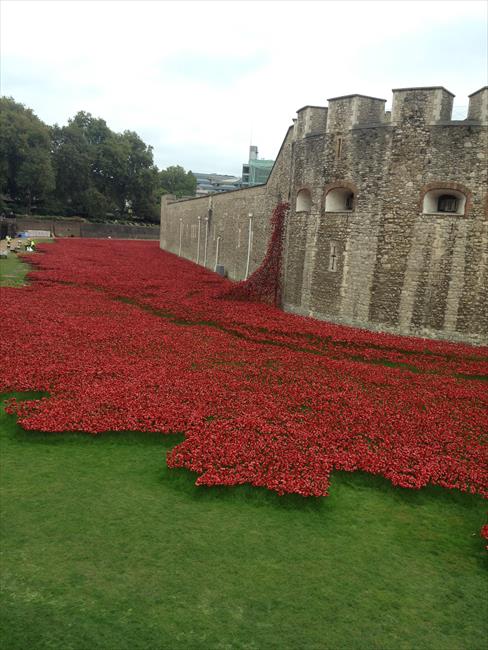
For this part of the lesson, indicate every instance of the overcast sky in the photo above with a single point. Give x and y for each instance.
(199, 80)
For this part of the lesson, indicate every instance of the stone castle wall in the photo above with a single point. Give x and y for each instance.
(225, 220)
(387, 262)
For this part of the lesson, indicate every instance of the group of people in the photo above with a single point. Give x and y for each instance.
(29, 244)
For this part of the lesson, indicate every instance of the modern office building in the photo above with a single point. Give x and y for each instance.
(215, 183)
(255, 171)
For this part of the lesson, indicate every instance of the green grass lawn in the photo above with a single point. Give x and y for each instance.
(12, 271)
(104, 547)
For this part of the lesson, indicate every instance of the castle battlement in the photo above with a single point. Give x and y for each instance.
(310, 120)
(349, 111)
(478, 105)
(423, 106)
(427, 105)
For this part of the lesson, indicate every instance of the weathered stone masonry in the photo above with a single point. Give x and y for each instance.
(388, 226)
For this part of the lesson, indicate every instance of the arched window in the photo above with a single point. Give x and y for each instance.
(304, 201)
(444, 201)
(340, 199)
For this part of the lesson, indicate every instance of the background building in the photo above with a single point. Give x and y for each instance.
(215, 183)
(255, 171)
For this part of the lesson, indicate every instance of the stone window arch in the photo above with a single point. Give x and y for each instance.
(304, 201)
(445, 199)
(340, 198)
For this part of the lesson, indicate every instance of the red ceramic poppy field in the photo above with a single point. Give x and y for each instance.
(123, 336)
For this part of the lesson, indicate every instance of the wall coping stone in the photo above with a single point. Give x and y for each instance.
(424, 88)
(379, 99)
(310, 106)
(478, 91)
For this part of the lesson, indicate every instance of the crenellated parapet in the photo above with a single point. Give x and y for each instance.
(478, 106)
(311, 120)
(350, 111)
(422, 105)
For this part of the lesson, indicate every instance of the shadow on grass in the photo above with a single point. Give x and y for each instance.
(138, 438)
(183, 481)
(409, 496)
(179, 480)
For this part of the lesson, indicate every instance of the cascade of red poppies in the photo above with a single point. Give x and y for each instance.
(123, 336)
(264, 285)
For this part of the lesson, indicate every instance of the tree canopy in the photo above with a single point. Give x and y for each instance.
(26, 169)
(83, 168)
(174, 180)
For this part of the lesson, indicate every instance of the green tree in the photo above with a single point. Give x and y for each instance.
(137, 180)
(87, 164)
(174, 180)
(72, 164)
(82, 168)
(94, 129)
(26, 171)
(100, 172)
(95, 204)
